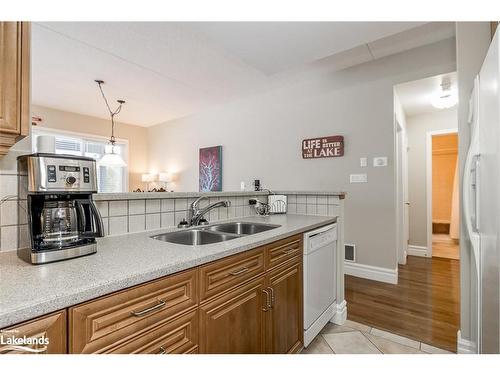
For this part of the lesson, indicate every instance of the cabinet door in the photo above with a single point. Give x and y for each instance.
(284, 321)
(14, 82)
(50, 328)
(234, 322)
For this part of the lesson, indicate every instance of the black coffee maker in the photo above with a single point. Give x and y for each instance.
(63, 221)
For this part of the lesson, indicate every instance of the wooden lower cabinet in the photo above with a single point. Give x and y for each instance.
(234, 323)
(51, 328)
(265, 315)
(284, 320)
(106, 323)
(249, 303)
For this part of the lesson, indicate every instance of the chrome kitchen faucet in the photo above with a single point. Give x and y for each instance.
(195, 214)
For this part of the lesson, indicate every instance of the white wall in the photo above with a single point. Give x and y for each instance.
(261, 138)
(417, 128)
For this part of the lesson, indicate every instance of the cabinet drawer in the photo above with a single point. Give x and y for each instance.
(281, 251)
(103, 323)
(51, 328)
(220, 276)
(177, 336)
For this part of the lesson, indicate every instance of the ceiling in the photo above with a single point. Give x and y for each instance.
(415, 97)
(167, 70)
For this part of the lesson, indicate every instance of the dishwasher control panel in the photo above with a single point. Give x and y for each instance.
(321, 237)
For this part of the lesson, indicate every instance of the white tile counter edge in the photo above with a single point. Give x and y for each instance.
(29, 291)
(167, 195)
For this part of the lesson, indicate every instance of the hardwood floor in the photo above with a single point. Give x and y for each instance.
(443, 246)
(424, 306)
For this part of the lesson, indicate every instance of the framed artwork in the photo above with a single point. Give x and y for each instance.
(210, 168)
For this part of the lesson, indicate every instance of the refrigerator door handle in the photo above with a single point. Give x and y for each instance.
(477, 164)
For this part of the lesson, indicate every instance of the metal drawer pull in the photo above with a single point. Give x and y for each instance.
(20, 348)
(267, 304)
(160, 304)
(272, 297)
(162, 350)
(289, 251)
(239, 272)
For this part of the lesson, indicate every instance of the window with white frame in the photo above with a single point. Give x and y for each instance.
(109, 179)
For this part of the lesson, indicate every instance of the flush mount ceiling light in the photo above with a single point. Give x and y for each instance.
(111, 158)
(446, 97)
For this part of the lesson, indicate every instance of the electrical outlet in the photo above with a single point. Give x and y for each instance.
(358, 178)
(363, 162)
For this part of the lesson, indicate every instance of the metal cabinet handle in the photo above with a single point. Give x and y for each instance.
(160, 304)
(267, 302)
(239, 272)
(162, 350)
(20, 348)
(288, 251)
(272, 297)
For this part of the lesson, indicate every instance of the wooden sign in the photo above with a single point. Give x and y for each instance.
(324, 147)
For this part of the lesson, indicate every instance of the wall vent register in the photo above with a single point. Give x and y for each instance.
(350, 252)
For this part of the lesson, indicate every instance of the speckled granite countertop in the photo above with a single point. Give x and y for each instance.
(28, 291)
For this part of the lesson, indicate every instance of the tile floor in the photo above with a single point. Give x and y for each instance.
(357, 338)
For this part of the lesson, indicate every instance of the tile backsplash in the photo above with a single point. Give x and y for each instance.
(137, 215)
(130, 214)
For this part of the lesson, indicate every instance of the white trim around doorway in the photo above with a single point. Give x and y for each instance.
(428, 166)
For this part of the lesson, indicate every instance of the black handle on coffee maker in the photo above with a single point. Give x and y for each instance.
(94, 213)
(98, 219)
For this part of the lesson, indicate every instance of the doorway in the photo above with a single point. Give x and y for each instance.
(443, 194)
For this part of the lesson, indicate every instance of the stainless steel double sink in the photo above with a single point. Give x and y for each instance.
(214, 233)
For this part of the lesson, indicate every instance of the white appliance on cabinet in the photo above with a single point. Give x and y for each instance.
(481, 199)
(320, 253)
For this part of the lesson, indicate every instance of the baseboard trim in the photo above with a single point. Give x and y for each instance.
(465, 346)
(385, 275)
(340, 313)
(418, 251)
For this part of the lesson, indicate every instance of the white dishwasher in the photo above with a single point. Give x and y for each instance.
(320, 249)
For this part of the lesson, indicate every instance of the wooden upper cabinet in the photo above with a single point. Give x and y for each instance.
(284, 320)
(51, 328)
(14, 83)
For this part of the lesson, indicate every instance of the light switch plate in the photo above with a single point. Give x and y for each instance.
(358, 178)
(380, 161)
(363, 162)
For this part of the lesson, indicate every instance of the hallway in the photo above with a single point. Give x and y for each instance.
(424, 306)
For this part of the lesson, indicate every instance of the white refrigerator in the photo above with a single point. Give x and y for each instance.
(481, 201)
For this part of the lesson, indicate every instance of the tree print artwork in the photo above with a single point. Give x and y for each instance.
(211, 168)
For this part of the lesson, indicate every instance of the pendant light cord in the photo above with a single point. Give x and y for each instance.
(111, 112)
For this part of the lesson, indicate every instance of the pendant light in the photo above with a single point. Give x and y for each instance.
(111, 158)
